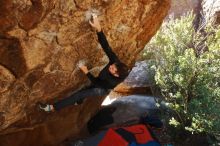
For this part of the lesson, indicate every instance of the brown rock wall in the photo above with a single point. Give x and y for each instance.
(41, 42)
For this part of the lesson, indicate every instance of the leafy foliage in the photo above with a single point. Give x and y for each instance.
(188, 76)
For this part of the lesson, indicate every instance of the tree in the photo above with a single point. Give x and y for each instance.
(189, 83)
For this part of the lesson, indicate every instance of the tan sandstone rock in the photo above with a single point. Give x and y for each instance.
(41, 42)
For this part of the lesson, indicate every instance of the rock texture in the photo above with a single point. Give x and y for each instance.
(139, 81)
(41, 42)
(211, 10)
(180, 7)
(51, 129)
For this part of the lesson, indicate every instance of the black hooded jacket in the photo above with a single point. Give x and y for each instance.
(105, 79)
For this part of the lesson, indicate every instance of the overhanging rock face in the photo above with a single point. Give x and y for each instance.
(41, 42)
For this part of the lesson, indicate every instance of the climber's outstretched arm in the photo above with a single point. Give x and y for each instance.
(103, 41)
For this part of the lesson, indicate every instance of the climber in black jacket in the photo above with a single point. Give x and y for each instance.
(112, 74)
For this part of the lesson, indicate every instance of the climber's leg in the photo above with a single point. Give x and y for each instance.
(80, 96)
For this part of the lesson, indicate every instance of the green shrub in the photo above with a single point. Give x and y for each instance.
(188, 76)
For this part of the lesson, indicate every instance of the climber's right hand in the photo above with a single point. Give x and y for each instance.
(94, 22)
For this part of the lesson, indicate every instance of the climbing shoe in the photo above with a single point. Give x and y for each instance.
(45, 107)
(79, 102)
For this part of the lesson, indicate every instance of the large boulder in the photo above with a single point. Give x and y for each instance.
(139, 81)
(41, 42)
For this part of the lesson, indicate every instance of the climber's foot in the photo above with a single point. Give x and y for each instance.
(46, 107)
(78, 102)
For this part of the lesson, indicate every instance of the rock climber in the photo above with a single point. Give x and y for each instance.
(112, 74)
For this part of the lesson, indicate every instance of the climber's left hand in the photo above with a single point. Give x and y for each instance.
(84, 69)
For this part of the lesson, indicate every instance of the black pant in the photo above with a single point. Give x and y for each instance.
(80, 96)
